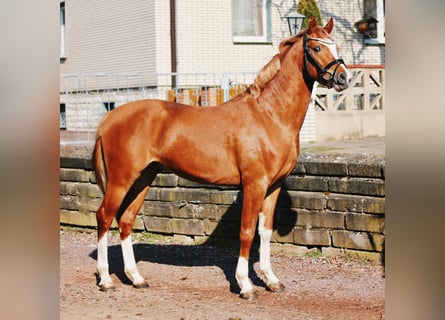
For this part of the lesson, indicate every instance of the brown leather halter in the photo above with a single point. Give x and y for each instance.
(325, 77)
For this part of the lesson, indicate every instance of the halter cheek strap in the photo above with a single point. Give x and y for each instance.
(325, 76)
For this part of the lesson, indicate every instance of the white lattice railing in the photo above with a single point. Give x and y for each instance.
(366, 92)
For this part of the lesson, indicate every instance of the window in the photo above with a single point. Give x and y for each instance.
(62, 116)
(375, 9)
(251, 21)
(62, 30)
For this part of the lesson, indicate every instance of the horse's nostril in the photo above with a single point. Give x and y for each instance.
(342, 77)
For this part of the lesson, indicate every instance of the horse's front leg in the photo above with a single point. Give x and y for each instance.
(265, 229)
(253, 197)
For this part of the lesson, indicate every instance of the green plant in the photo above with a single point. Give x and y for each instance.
(314, 253)
(309, 8)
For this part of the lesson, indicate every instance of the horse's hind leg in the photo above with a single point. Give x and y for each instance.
(104, 216)
(125, 223)
(128, 210)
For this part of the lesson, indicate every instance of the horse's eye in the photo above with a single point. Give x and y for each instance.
(317, 49)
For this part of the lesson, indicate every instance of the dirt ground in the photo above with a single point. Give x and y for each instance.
(198, 282)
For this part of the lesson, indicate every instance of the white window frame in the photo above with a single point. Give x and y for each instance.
(62, 30)
(265, 38)
(380, 6)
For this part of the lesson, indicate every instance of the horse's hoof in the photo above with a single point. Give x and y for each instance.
(252, 295)
(275, 287)
(141, 285)
(107, 287)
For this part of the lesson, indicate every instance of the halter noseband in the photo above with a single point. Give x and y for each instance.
(326, 78)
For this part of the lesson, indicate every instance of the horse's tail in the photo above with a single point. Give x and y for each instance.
(99, 165)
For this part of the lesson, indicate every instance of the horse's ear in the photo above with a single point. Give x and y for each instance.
(312, 25)
(328, 27)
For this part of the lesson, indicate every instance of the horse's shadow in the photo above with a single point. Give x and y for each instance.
(216, 251)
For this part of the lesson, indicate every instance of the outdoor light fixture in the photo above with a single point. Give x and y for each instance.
(295, 21)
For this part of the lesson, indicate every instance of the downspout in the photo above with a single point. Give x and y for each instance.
(173, 41)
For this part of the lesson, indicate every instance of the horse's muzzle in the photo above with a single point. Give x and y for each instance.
(342, 79)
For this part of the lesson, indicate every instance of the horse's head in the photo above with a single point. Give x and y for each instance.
(320, 58)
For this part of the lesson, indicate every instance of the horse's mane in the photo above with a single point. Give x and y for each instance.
(273, 66)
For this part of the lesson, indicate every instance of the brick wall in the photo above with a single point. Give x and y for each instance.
(333, 203)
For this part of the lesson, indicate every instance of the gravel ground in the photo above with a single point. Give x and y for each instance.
(198, 282)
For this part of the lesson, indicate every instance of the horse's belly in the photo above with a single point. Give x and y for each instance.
(202, 168)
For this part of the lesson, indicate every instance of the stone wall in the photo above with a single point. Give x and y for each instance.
(332, 202)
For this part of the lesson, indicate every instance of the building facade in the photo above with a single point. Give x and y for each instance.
(134, 35)
(193, 36)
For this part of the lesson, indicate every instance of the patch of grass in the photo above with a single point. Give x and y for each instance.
(151, 238)
(317, 149)
(314, 253)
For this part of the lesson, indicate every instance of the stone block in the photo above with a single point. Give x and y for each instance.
(92, 177)
(92, 204)
(374, 205)
(282, 236)
(139, 224)
(226, 197)
(184, 194)
(184, 210)
(326, 168)
(94, 191)
(357, 240)
(276, 248)
(69, 202)
(183, 239)
(299, 168)
(306, 183)
(312, 237)
(294, 250)
(75, 163)
(208, 211)
(303, 200)
(153, 194)
(158, 224)
(165, 180)
(346, 203)
(188, 226)
(157, 208)
(68, 188)
(327, 220)
(210, 227)
(361, 186)
(331, 252)
(89, 190)
(76, 218)
(374, 170)
(365, 222)
(77, 175)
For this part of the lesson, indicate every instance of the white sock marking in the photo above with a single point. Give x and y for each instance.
(265, 265)
(130, 267)
(242, 275)
(102, 261)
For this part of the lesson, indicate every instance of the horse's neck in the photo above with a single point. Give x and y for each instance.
(287, 97)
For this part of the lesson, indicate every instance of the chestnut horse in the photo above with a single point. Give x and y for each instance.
(251, 141)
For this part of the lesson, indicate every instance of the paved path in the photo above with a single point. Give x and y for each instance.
(370, 145)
